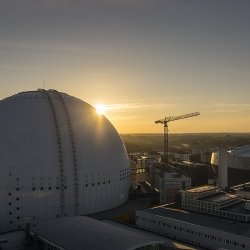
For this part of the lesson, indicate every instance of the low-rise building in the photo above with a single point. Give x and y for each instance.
(212, 200)
(232, 166)
(243, 190)
(196, 171)
(80, 232)
(182, 156)
(169, 184)
(197, 229)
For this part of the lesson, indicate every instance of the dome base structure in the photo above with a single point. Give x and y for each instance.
(58, 158)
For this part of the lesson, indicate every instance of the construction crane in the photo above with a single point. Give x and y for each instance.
(165, 123)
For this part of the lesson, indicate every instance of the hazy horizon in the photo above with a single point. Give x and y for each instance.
(194, 133)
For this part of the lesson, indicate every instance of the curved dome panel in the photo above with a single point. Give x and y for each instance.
(58, 158)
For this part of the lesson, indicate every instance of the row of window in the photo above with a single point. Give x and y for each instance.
(212, 205)
(222, 213)
(127, 170)
(65, 187)
(193, 232)
(98, 184)
(34, 217)
(203, 204)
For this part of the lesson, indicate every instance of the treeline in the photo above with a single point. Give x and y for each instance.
(154, 142)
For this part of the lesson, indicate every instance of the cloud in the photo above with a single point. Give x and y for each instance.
(232, 107)
(129, 106)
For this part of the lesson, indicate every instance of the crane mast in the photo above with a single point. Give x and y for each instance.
(165, 135)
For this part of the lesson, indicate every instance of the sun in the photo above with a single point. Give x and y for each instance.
(100, 109)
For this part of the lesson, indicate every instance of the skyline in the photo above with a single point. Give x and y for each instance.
(143, 59)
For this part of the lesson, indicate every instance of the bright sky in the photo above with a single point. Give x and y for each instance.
(144, 59)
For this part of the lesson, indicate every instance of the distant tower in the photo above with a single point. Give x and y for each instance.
(214, 168)
(223, 168)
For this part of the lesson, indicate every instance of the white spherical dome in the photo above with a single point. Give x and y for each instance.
(58, 158)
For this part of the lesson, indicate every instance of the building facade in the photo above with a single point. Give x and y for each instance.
(202, 231)
(169, 184)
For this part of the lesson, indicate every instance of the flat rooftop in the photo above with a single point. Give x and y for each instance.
(168, 244)
(212, 222)
(202, 189)
(81, 232)
(237, 208)
(220, 197)
(241, 151)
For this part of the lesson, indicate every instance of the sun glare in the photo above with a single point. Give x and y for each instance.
(100, 109)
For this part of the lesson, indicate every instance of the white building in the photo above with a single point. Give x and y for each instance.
(182, 156)
(211, 200)
(146, 161)
(233, 165)
(200, 230)
(58, 158)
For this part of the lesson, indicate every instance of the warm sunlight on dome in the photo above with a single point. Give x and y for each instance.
(100, 109)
